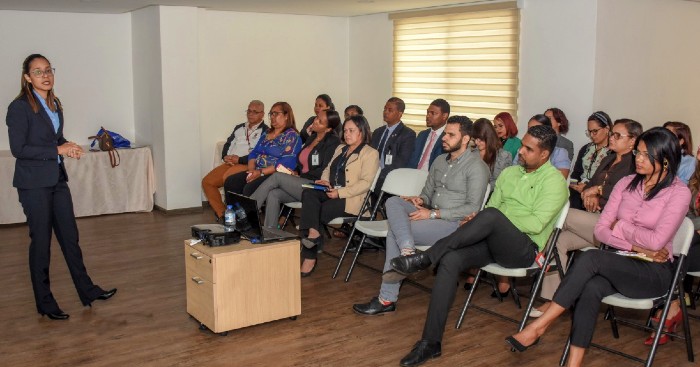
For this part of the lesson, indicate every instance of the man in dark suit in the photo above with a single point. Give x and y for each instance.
(428, 144)
(394, 141)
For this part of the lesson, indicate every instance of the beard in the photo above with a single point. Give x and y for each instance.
(447, 148)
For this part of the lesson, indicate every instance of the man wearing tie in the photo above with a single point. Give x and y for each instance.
(394, 141)
(428, 144)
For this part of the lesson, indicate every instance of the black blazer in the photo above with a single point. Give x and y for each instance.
(400, 143)
(244, 159)
(325, 149)
(35, 145)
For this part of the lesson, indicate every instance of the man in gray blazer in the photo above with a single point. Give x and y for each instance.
(454, 189)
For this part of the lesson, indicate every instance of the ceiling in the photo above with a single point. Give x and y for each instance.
(340, 8)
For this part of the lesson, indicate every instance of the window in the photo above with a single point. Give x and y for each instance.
(466, 55)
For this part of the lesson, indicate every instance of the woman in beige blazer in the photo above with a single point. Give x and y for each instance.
(347, 180)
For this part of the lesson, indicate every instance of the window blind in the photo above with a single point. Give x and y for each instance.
(468, 58)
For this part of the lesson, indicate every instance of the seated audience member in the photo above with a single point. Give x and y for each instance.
(488, 145)
(559, 157)
(279, 145)
(510, 231)
(687, 166)
(427, 145)
(394, 141)
(662, 199)
(454, 189)
(578, 227)
(352, 110)
(561, 125)
(312, 160)
(590, 156)
(234, 155)
(323, 102)
(349, 177)
(507, 131)
(675, 318)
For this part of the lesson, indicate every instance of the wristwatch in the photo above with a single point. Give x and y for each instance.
(433, 214)
(262, 174)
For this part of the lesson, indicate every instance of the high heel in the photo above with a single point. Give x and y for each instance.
(306, 274)
(670, 326)
(515, 344)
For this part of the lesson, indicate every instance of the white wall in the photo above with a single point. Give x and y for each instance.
(371, 64)
(270, 57)
(92, 57)
(655, 80)
(557, 62)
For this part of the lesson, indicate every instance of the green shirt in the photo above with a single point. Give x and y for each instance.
(512, 145)
(531, 201)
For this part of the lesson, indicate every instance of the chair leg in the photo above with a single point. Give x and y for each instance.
(565, 353)
(477, 278)
(686, 324)
(613, 322)
(514, 292)
(290, 211)
(345, 251)
(328, 234)
(354, 259)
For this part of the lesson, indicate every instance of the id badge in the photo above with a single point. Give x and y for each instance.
(337, 187)
(314, 159)
(388, 159)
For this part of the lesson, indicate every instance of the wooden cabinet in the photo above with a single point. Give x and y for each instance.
(239, 285)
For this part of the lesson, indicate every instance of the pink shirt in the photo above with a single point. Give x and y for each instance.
(304, 159)
(649, 224)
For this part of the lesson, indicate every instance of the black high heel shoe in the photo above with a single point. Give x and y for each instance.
(519, 347)
(306, 274)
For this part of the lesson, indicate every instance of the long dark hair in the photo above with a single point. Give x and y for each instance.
(663, 147)
(483, 130)
(27, 89)
(362, 125)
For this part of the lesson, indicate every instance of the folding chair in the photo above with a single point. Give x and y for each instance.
(694, 295)
(533, 269)
(400, 182)
(681, 244)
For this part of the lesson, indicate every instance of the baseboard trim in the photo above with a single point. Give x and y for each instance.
(193, 210)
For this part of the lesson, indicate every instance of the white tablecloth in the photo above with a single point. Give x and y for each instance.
(97, 188)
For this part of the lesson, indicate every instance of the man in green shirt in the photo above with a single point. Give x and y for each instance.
(515, 226)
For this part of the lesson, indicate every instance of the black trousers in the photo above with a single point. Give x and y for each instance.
(575, 201)
(489, 237)
(317, 208)
(47, 209)
(236, 183)
(597, 274)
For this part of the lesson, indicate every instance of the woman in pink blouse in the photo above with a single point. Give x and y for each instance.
(643, 214)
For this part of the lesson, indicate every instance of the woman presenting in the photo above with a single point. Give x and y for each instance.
(35, 128)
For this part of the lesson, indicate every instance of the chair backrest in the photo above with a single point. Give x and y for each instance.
(486, 195)
(683, 237)
(405, 182)
(376, 178)
(562, 216)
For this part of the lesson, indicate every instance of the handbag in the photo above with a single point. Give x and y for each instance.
(107, 143)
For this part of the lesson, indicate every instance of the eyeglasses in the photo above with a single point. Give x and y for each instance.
(592, 132)
(644, 155)
(39, 73)
(275, 113)
(252, 112)
(615, 135)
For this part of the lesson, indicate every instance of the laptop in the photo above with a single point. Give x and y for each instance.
(250, 227)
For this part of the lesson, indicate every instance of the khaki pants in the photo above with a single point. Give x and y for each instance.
(214, 180)
(576, 234)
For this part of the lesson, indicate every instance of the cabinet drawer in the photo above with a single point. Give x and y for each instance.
(199, 263)
(200, 299)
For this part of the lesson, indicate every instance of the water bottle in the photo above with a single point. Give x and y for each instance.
(243, 224)
(229, 219)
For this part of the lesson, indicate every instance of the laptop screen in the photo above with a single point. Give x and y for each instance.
(250, 225)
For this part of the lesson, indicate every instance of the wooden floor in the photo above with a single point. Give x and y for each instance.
(146, 324)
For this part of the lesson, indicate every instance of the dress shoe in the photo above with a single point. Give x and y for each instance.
(421, 352)
(307, 273)
(412, 263)
(107, 294)
(519, 347)
(374, 307)
(57, 315)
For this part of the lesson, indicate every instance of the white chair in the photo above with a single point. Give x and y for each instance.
(483, 204)
(399, 182)
(534, 269)
(681, 244)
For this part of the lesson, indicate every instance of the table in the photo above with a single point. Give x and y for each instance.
(97, 188)
(239, 285)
